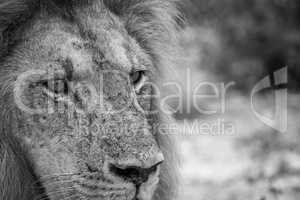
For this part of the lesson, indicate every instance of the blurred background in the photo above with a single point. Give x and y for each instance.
(238, 43)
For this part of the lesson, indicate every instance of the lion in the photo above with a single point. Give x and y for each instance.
(78, 114)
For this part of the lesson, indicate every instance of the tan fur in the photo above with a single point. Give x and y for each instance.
(152, 23)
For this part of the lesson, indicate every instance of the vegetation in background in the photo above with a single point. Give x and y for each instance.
(257, 36)
(242, 41)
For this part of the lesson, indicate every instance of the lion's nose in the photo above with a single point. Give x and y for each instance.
(134, 171)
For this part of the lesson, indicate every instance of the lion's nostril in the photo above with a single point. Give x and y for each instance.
(133, 174)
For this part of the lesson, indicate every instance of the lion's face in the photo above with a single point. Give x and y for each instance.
(82, 101)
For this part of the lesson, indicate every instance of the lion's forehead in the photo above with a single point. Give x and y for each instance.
(85, 43)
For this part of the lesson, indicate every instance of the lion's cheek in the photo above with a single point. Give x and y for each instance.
(49, 163)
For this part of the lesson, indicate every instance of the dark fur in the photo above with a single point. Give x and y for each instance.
(153, 23)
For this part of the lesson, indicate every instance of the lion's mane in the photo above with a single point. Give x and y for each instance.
(153, 23)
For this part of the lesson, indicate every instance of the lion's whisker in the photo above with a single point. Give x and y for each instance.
(49, 193)
(58, 175)
(41, 182)
(72, 196)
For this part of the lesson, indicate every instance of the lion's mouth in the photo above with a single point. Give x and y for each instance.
(130, 191)
(96, 193)
(105, 191)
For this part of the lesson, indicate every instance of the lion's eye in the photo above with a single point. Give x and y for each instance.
(137, 79)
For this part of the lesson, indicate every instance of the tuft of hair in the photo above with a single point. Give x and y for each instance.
(155, 25)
